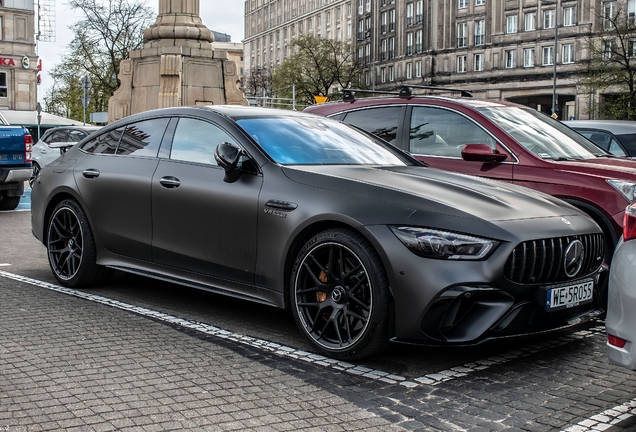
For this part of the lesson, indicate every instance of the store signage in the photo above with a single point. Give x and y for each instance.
(7, 61)
(26, 62)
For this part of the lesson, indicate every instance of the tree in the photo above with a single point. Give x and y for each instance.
(319, 67)
(611, 68)
(108, 31)
(257, 83)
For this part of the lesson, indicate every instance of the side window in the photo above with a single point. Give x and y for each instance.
(105, 143)
(616, 149)
(440, 132)
(382, 122)
(76, 136)
(195, 141)
(601, 139)
(143, 138)
(58, 136)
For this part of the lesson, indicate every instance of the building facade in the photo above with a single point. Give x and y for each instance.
(270, 26)
(18, 59)
(499, 49)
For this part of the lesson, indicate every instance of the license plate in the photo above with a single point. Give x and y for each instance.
(568, 296)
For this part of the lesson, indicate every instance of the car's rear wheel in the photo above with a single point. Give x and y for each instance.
(340, 295)
(71, 247)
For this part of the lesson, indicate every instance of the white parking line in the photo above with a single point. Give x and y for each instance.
(285, 351)
(4, 264)
(606, 419)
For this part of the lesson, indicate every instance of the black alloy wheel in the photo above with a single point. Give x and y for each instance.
(340, 295)
(71, 247)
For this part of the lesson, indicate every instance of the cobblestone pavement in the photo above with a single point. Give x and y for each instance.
(143, 355)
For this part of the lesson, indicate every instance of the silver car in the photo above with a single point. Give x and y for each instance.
(621, 319)
(44, 153)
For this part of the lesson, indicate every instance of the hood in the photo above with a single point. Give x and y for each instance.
(617, 168)
(430, 190)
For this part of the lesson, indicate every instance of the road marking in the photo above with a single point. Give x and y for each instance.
(289, 352)
(4, 264)
(606, 419)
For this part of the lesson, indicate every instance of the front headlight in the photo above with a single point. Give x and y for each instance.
(429, 243)
(626, 188)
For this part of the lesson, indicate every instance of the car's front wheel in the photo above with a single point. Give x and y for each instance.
(71, 247)
(340, 295)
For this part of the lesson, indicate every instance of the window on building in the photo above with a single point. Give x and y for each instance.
(360, 7)
(392, 20)
(608, 50)
(480, 32)
(1, 27)
(462, 4)
(547, 57)
(383, 75)
(631, 12)
(548, 19)
(391, 48)
(480, 2)
(391, 77)
(461, 64)
(383, 49)
(409, 70)
(479, 62)
(569, 16)
(384, 22)
(511, 59)
(462, 38)
(4, 91)
(409, 44)
(419, 11)
(568, 54)
(418, 41)
(631, 48)
(609, 14)
(530, 21)
(511, 24)
(368, 6)
(528, 57)
(418, 69)
(409, 14)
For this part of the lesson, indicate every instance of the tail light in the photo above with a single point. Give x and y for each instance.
(629, 223)
(616, 341)
(28, 147)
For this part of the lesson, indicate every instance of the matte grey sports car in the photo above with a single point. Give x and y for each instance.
(362, 242)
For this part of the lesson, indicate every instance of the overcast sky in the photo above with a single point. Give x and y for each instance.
(225, 16)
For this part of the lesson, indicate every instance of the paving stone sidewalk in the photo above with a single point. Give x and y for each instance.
(69, 364)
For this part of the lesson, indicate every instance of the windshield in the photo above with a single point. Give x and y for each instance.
(541, 135)
(316, 141)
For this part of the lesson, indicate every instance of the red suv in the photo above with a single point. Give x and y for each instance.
(501, 141)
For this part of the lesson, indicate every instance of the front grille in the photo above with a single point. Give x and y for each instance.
(540, 261)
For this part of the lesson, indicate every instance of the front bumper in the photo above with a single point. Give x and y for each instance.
(467, 302)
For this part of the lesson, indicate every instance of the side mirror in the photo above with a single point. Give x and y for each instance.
(482, 153)
(227, 156)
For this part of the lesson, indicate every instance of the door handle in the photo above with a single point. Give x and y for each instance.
(90, 173)
(170, 182)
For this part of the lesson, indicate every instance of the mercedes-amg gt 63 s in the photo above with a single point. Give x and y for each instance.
(361, 241)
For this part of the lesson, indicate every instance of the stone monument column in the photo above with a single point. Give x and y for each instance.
(176, 67)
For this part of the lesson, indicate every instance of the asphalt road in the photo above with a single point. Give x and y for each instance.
(144, 354)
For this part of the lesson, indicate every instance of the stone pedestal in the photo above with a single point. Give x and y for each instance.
(176, 67)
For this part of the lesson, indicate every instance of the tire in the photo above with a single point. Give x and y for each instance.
(70, 247)
(8, 202)
(34, 173)
(343, 313)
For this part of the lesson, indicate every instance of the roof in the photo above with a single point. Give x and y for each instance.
(617, 127)
(30, 119)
